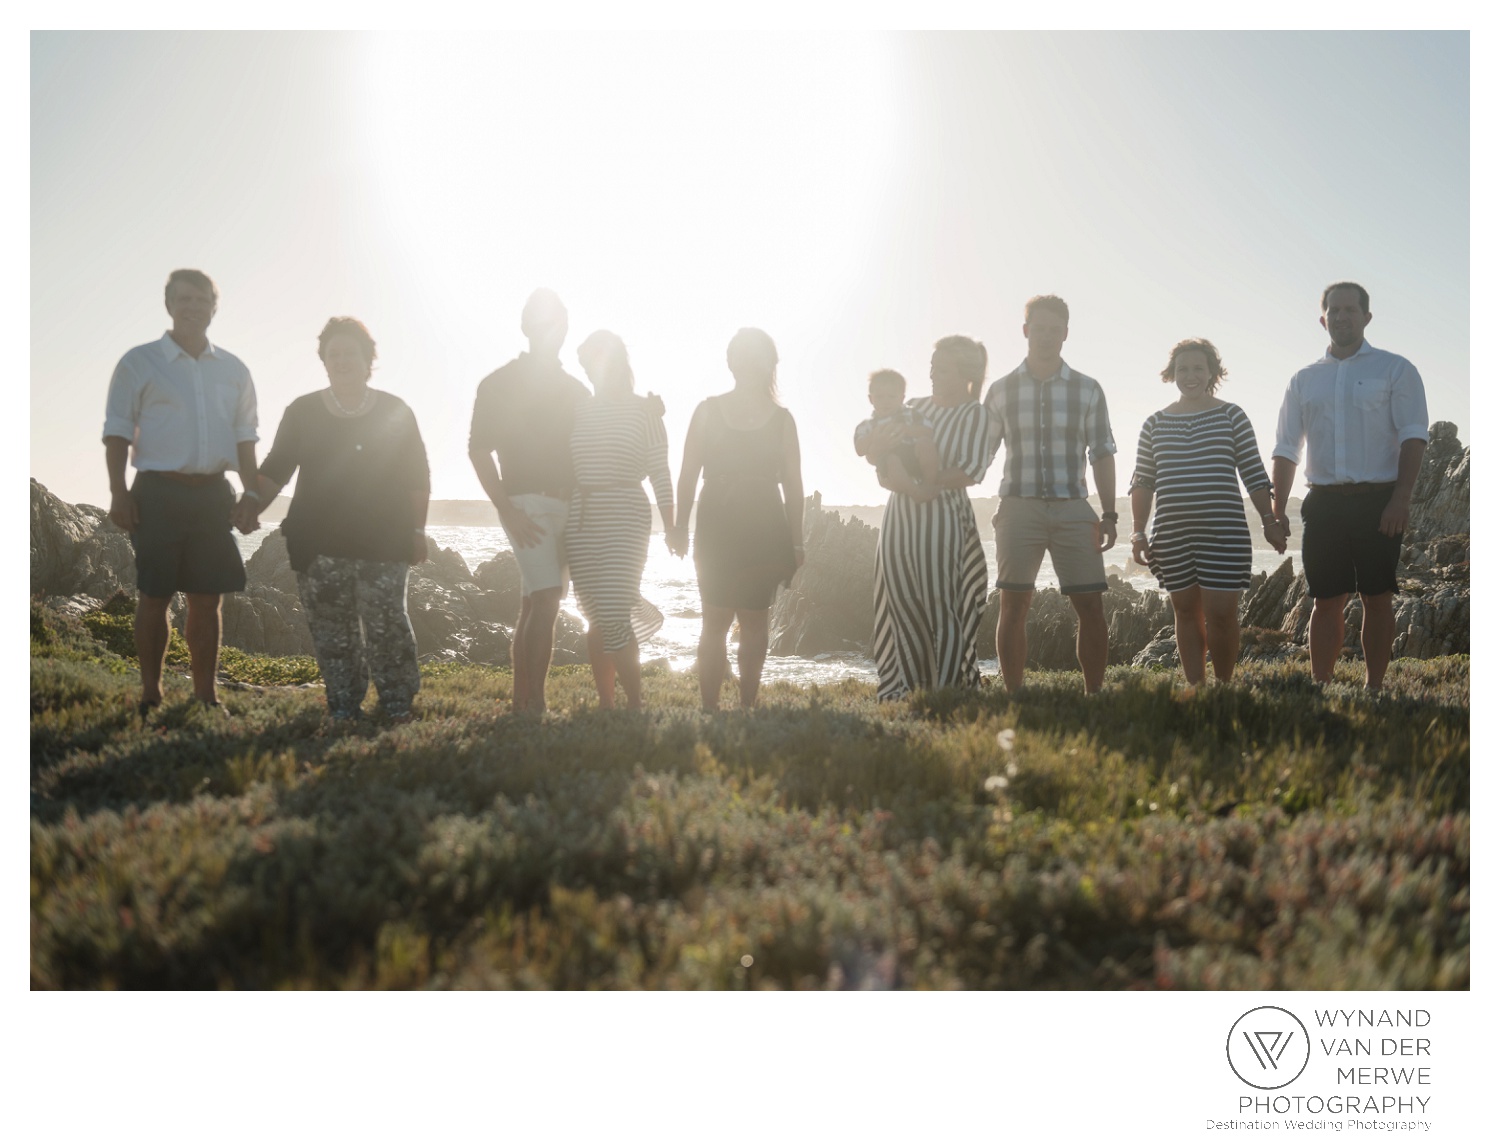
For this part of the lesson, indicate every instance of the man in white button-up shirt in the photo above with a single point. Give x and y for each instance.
(186, 409)
(1363, 414)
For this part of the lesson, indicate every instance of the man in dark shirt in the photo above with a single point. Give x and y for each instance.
(523, 416)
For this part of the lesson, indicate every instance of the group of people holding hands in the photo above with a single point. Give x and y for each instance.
(1360, 412)
(564, 468)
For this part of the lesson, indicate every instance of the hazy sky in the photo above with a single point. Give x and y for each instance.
(857, 195)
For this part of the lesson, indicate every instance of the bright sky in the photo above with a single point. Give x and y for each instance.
(857, 195)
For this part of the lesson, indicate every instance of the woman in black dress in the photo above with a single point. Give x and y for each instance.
(355, 525)
(749, 533)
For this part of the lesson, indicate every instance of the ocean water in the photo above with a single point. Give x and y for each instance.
(672, 585)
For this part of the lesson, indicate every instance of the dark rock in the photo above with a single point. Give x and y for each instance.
(1265, 605)
(76, 549)
(263, 620)
(76, 605)
(445, 566)
(1432, 620)
(1133, 617)
(448, 612)
(56, 531)
(1161, 651)
(1440, 498)
(499, 579)
(830, 604)
(570, 646)
(269, 566)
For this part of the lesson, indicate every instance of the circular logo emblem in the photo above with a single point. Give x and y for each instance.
(1268, 1047)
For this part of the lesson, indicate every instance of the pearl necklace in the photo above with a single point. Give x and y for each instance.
(359, 410)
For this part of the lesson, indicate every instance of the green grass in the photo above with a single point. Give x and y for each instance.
(1263, 835)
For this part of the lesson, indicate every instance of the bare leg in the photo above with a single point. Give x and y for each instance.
(1221, 611)
(536, 644)
(203, 643)
(1010, 637)
(520, 697)
(626, 664)
(1325, 636)
(755, 630)
(1187, 623)
(1093, 638)
(152, 632)
(603, 664)
(712, 661)
(1376, 634)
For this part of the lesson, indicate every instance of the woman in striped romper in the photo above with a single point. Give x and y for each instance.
(930, 574)
(618, 440)
(1189, 456)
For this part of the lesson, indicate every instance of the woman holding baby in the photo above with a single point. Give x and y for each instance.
(930, 575)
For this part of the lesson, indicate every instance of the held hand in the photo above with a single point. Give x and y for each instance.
(419, 547)
(244, 516)
(1277, 532)
(1106, 533)
(1394, 518)
(521, 527)
(1140, 550)
(123, 512)
(677, 541)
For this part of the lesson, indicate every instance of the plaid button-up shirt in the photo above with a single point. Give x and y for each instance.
(1050, 428)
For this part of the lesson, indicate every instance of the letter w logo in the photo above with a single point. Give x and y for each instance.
(1268, 1046)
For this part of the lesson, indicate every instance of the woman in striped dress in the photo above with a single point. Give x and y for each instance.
(618, 440)
(1193, 454)
(930, 575)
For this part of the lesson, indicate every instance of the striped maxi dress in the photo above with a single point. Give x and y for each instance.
(616, 444)
(1190, 460)
(930, 575)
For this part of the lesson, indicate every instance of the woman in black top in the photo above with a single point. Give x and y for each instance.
(355, 525)
(749, 533)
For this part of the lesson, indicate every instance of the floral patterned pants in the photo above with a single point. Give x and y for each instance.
(356, 612)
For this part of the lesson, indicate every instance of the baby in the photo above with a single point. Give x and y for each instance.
(913, 461)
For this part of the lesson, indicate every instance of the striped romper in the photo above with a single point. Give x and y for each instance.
(1194, 462)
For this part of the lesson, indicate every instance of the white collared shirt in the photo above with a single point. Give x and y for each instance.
(1354, 415)
(181, 414)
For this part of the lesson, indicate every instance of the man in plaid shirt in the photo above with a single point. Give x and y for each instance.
(1051, 418)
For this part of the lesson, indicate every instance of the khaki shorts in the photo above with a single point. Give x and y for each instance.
(1025, 529)
(545, 565)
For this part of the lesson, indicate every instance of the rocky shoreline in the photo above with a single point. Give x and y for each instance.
(79, 560)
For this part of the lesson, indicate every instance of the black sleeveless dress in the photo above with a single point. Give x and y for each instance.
(742, 546)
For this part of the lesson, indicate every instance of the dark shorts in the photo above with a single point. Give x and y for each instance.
(183, 540)
(1343, 551)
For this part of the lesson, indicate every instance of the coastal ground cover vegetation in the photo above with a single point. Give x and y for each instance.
(1267, 834)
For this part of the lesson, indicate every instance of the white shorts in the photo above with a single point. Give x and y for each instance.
(545, 565)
